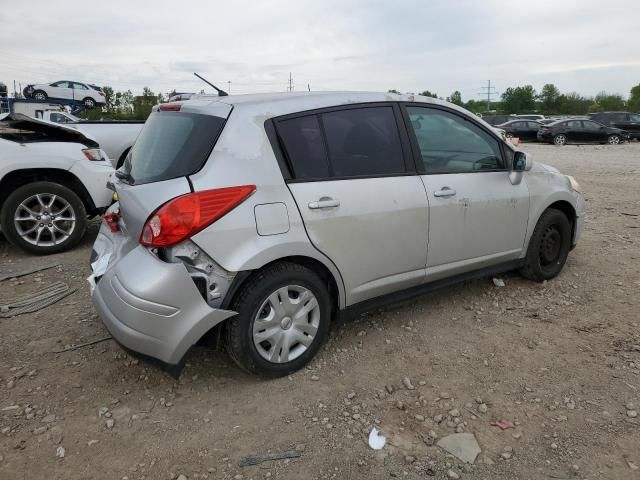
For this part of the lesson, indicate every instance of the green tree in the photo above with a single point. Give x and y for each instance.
(549, 99)
(456, 98)
(633, 103)
(519, 99)
(607, 102)
(573, 104)
(427, 93)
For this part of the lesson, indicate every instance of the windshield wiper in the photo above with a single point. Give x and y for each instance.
(126, 176)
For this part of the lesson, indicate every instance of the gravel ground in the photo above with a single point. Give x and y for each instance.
(560, 361)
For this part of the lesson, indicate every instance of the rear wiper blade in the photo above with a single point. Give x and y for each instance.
(126, 176)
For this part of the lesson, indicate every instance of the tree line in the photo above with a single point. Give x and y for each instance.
(125, 105)
(549, 101)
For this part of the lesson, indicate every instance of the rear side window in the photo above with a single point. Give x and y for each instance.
(304, 145)
(353, 142)
(172, 145)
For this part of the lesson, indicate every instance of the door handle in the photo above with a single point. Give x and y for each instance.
(324, 202)
(445, 192)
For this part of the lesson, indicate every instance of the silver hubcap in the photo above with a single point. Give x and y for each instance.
(286, 324)
(560, 140)
(44, 220)
(39, 96)
(614, 140)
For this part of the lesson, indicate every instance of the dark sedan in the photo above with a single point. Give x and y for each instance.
(581, 131)
(522, 129)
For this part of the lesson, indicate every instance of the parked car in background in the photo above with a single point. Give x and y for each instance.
(261, 223)
(526, 130)
(627, 121)
(547, 121)
(497, 119)
(531, 117)
(86, 94)
(52, 178)
(580, 131)
(116, 137)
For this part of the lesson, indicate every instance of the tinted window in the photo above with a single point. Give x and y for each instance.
(61, 84)
(304, 146)
(79, 86)
(171, 145)
(590, 125)
(59, 118)
(533, 125)
(450, 144)
(517, 124)
(574, 124)
(363, 141)
(634, 117)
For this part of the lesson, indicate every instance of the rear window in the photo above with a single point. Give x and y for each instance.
(172, 145)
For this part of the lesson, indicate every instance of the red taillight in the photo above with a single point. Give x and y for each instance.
(184, 216)
(170, 107)
(111, 219)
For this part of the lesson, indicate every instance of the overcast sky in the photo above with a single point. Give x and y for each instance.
(580, 45)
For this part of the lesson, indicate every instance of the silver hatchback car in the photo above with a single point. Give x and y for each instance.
(257, 219)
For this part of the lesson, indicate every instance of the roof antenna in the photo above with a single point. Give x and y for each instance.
(221, 93)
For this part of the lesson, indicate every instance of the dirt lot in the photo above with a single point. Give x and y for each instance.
(560, 360)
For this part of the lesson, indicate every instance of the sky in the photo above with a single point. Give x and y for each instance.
(408, 45)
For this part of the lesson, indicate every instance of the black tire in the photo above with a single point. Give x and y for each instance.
(560, 139)
(614, 140)
(40, 95)
(239, 329)
(89, 102)
(549, 246)
(25, 192)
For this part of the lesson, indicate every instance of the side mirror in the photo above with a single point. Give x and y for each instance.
(522, 162)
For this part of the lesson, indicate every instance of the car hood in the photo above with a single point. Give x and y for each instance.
(55, 131)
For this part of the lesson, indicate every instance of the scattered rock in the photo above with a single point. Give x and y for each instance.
(632, 413)
(453, 475)
(315, 378)
(92, 442)
(463, 446)
(60, 452)
(388, 388)
(407, 383)
(182, 477)
(110, 423)
(49, 419)
(482, 408)
(420, 418)
(454, 413)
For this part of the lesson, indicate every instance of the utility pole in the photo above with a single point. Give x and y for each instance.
(290, 87)
(490, 92)
(309, 86)
(229, 89)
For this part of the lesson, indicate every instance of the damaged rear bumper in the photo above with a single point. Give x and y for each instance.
(152, 307)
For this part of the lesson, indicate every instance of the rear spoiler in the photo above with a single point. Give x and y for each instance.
(54, 132)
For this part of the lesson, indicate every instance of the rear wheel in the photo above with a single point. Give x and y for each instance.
(613, 140)
(43, 218)
(560, 139)
(283, 318)
(549, 246)
(39, 95)
(89, 102)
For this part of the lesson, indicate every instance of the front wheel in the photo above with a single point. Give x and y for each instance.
(560, 139)
(548, 247)
(39, 95)
(613, 140)
(43, 218)
(89, 102)
(283, 318)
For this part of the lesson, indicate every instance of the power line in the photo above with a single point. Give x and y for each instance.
(490, 91)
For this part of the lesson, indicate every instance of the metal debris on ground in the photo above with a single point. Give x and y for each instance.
(498, 282)
(28, 272)
(36, 301)
(81, 345)
(267, 457)
(376, 439)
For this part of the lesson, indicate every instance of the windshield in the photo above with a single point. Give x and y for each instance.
(171, 145)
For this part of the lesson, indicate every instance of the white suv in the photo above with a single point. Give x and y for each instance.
(258, 219)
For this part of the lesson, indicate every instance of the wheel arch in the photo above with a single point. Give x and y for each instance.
(18, 178)
(561, 204)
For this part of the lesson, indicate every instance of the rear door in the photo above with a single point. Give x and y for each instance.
(532, 130)
(574, 131)
(362, 204)
(477, 217)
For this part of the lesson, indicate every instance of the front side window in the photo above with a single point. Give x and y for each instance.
(634, 117)
(534, 125)
(450, 144)
(58, 118)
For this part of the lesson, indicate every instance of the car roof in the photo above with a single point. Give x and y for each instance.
(291, 102)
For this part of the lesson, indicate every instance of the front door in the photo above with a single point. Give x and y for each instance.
(361, 204)
(477, 217)
(594, 132)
